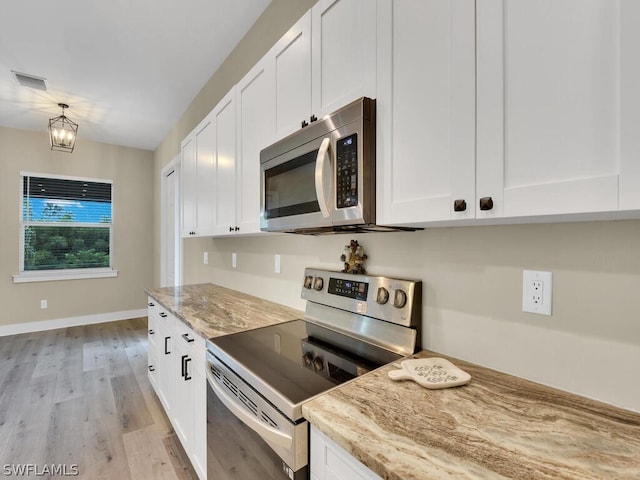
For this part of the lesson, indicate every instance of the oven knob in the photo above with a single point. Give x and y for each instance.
(318, 283)
(307, 358)
(308, 281)
(400, 299)
(383, 296)
(318, 364)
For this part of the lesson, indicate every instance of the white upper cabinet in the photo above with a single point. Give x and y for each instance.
(197, 177)
(343, 53)
(204, 141)
(292, 61)
(256, 129)
(224, 185)
(504, 108)
(630, 106)
(425, 111)
(326, 60)
(558, 103)
(188, 186)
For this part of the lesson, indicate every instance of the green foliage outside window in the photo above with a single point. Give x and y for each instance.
(67, 224)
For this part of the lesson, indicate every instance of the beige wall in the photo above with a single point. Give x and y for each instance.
(473, 293)
(472, 275)
(131, 171)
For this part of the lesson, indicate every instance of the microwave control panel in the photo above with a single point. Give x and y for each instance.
(347, 171)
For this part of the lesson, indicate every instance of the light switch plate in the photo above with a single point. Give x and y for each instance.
(536, 292)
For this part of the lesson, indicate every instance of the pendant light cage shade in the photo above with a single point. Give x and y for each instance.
(62, 132)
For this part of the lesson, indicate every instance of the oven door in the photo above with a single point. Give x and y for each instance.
(246, 436)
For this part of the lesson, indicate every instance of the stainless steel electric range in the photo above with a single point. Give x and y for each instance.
(260, 378)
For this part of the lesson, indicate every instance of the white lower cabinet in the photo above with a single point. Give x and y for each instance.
(329, 461)
(176, 371)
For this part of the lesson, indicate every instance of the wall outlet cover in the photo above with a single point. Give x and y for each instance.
(536, 292)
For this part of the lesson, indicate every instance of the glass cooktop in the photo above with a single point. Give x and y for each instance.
(298, 359)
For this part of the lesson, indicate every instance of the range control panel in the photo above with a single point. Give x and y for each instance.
(390, 299)
(348, 288)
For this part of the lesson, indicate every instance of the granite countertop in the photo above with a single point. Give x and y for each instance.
(212, 310)
(497, 426)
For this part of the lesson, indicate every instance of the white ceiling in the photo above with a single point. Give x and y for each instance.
(128, 69)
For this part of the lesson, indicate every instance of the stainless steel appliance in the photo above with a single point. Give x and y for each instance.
(260, 378)
(322, 178)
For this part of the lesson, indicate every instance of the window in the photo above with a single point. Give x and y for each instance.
(66, 228)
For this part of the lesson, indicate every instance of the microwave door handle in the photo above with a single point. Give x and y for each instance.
(270, 435)
(321, 159)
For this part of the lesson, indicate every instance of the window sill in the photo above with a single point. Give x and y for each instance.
(54, 275)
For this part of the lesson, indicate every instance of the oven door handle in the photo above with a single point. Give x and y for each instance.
(321, 183)
(269, 434)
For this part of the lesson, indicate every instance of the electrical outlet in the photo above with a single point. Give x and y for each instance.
(276, 263)
(43, 304)
(205, 258)
(536, 292)
(234, 260)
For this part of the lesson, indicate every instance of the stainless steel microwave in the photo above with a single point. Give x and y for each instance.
(322, 178)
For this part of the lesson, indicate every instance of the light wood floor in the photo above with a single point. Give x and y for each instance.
(80, 396)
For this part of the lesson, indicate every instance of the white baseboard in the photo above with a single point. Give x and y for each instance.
(39, 326)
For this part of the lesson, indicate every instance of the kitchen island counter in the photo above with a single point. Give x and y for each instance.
(212, 310)
(497, 426)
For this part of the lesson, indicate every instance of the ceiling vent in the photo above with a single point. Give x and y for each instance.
(30, 81)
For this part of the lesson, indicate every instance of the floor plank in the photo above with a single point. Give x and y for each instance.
(147, 456)
(81, 396)
(130, 404)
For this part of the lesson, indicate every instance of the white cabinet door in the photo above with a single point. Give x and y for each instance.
(182, 417)
(425, 111)
(166, 356)
(153, 346)
(224, 189)
(189, 378)
(199, 455)
(292, 58)
(629, 106)
(557, 106)
(256, 130)
(204, 143)
(343, 53)
(188, 186)
(197, 176)
(329, 461)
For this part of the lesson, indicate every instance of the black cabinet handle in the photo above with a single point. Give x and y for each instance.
(152, 368)
(486, 203)
(151, 304)
(163, 315)
(185, 367)
(152, 332)
(182, 365)
(166, 352)
(459, 205)
(312, 118)
(237, 229)
(304, 124)
(231, 229)
(186, 338)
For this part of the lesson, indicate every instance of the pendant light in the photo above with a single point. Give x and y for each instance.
(62, 132)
